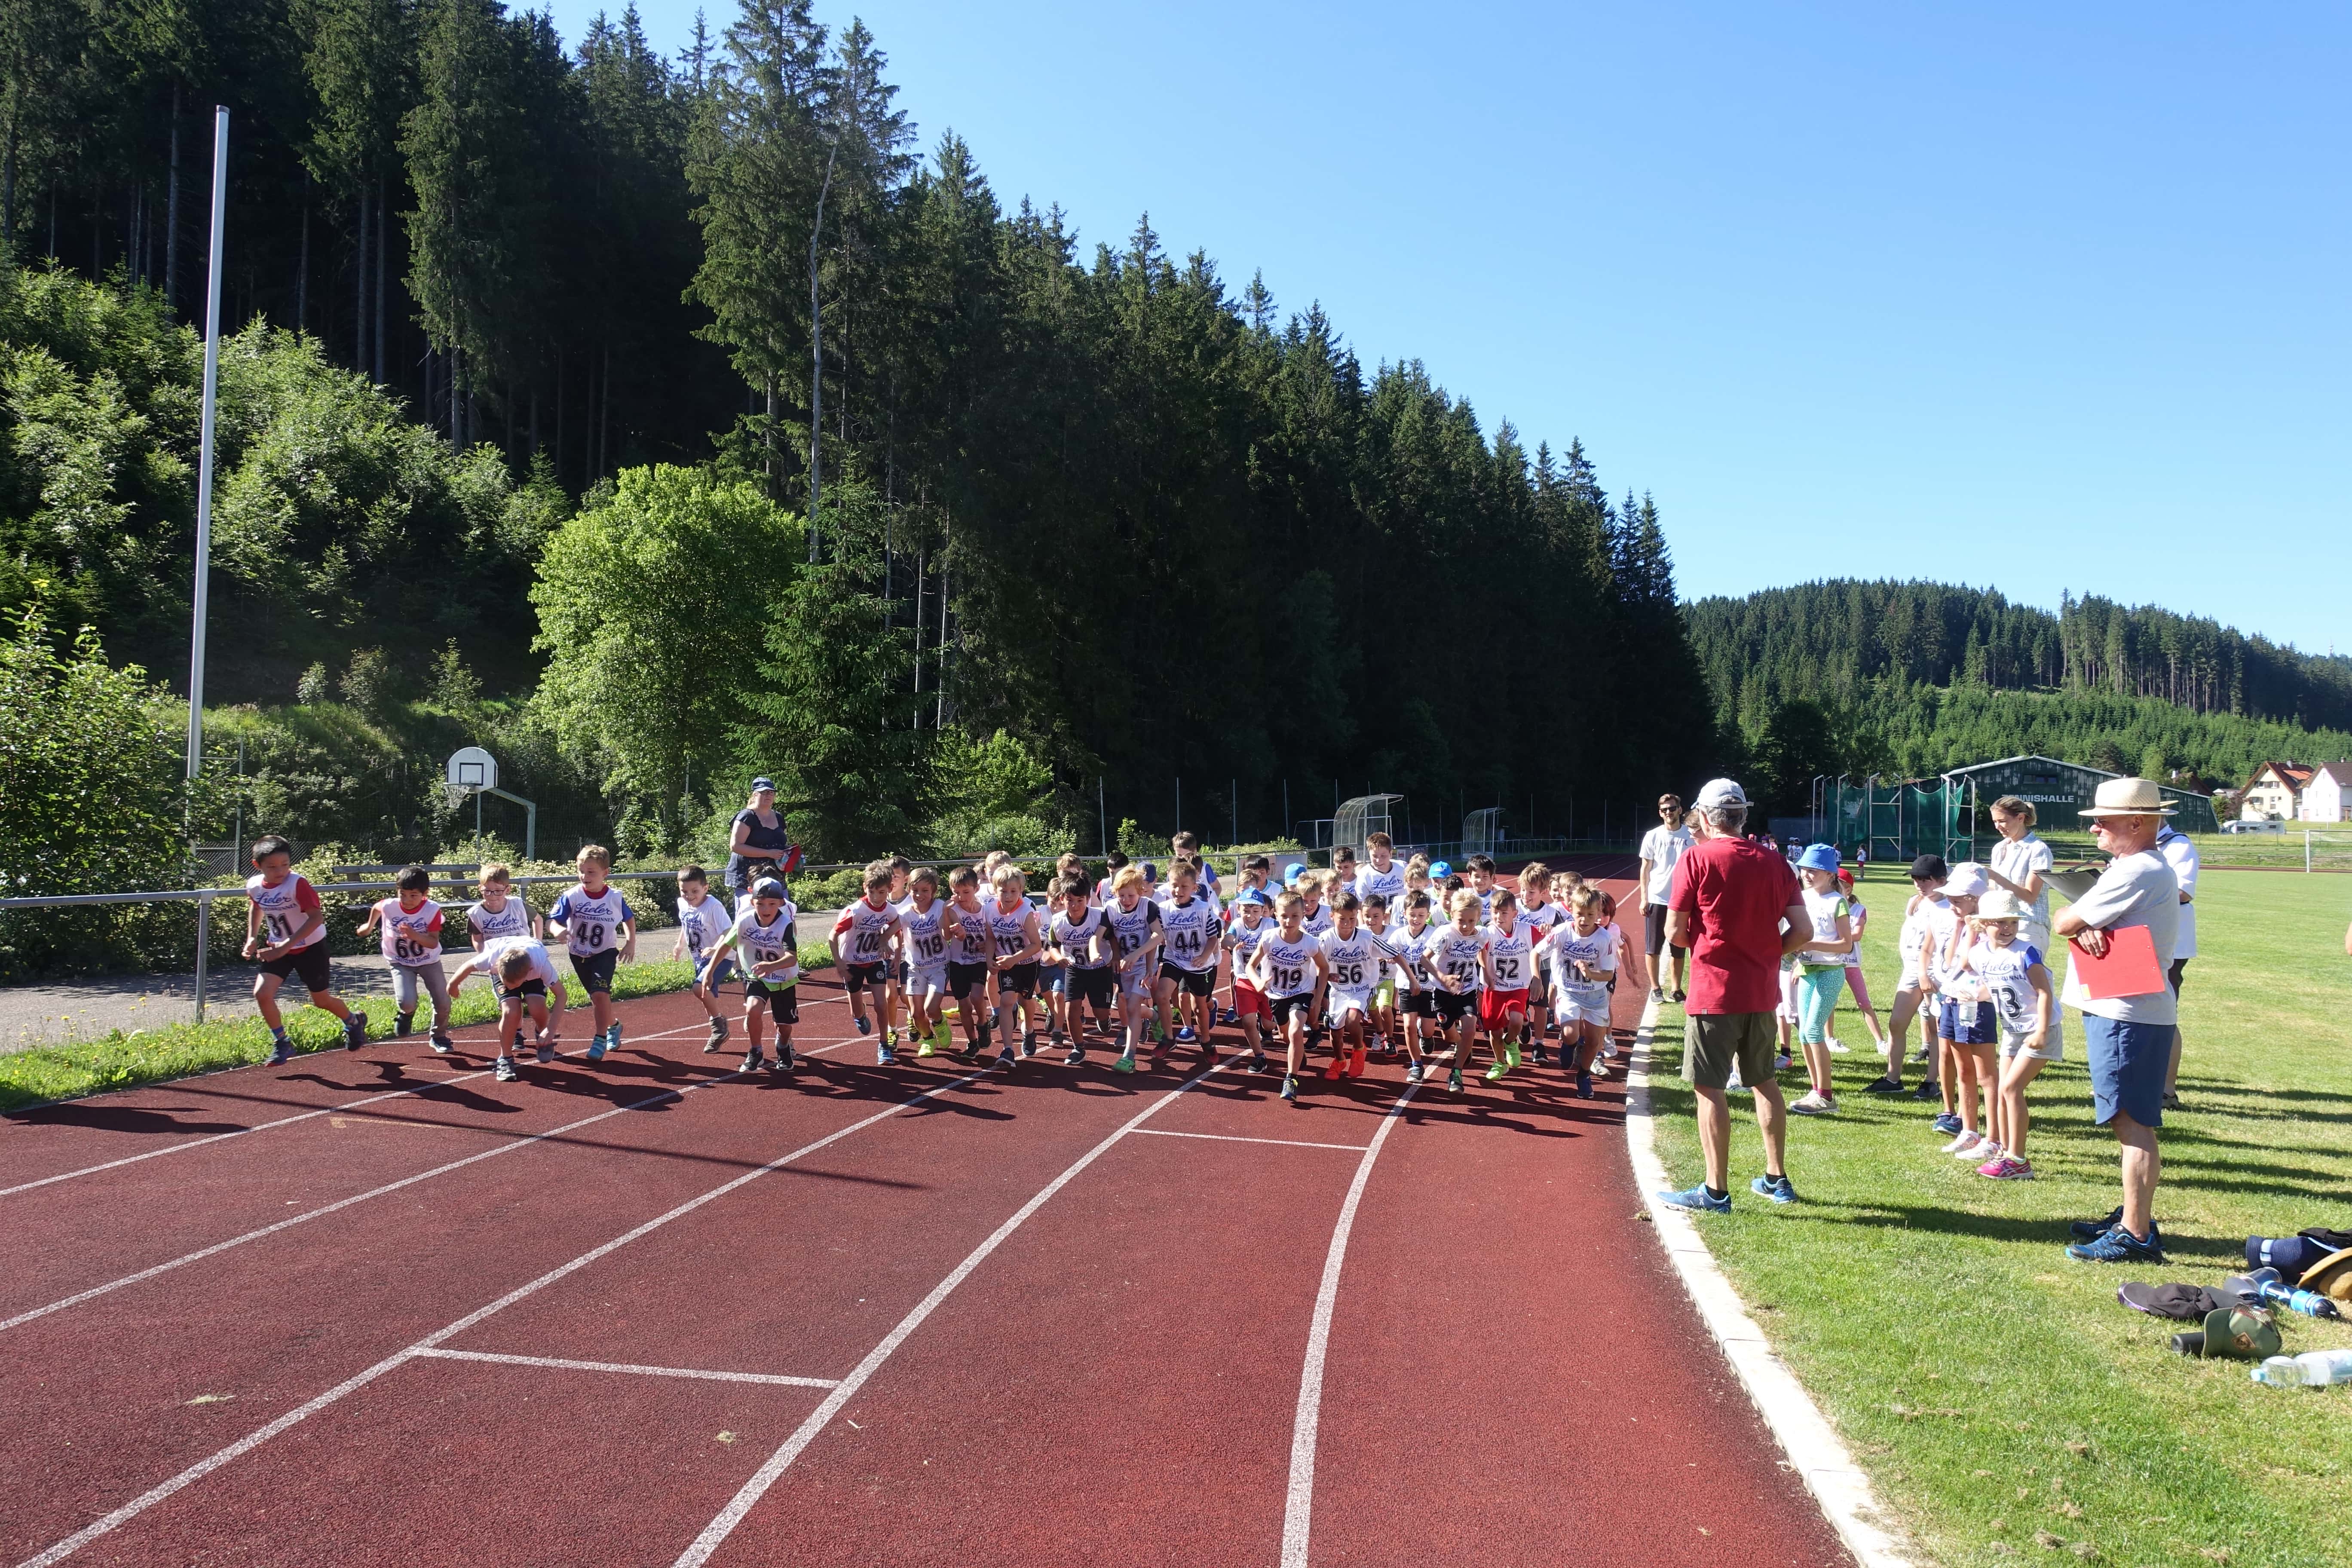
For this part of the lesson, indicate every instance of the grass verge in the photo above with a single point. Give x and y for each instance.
(2002, 1401)
(42, 1074)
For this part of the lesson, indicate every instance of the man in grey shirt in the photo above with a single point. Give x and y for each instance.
(2128, 1038)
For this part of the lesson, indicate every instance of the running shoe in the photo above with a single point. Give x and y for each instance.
(518, 1041)
(1733, 1084)
(1414, 1072)
(1682, 996)
(441, 1044)
(1126, 1063)
(1228, 1016)
(1882, 1085)
(547, 1052)
(1778, 1188)
(884, 1056)
(1005, 1059)
(1697, 1199)
(403, 1025)
(612, 1036)
(1657, 993)
(1536, 1055)
(2120, 1246)
(1453, 1081)
(1837, 1046)
(1813, 1104)
(1289, 1088)
(354, 1032)
(1078, 1054)
(2172, 1100)
(1339, 1063)
(1782, 1062)
(2092, 1229)
(1965, 1144)
(505, 1070)
(1948, 1124)
(1495, 1074)
(1584, 1086)
(785, 1060)
(718, 1035)
(1609, 1050)
(1598, 1069)
(865, 1025)
(1356, 1063)
(1184, 1034)
(597, 1048)
(281, 1053)
(925, 1044)
(1028, 1044)
(1511, 1052)
(753, 1060)
(2008, 1168)
(1259, 1064)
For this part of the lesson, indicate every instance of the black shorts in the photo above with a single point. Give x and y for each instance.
(595, 970)
(517, 992)
(858, 976)
(1021, 980)
(1654, 929)
(1196, 981)
(1286, 1008)
(1422, 1004)
(1093, 986)
(1452, 1006)
(963, 979)
(310, 962)
(783, 1000)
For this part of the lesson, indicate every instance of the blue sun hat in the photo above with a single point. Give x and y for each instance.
(1292, 872)
(1818, 858)
(1250, 896)
(1441, 870)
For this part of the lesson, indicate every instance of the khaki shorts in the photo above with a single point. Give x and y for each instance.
(1714, 1043)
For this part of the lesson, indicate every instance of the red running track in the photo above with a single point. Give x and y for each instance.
(375, 1308)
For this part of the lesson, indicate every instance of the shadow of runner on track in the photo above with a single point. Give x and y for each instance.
(96, 1117)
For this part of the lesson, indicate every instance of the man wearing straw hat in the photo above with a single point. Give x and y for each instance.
(2128, 1038)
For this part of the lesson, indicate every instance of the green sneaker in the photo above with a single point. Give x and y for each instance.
(1124, 1064)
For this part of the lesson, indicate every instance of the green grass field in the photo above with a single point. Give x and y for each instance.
(2002, 1401)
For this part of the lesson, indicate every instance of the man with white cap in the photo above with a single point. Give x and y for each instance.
(2128, 1038)
(1735, 906)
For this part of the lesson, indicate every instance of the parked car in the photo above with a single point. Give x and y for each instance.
(2254, 824)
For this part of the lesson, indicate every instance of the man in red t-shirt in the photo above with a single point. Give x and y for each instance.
(1737, 906)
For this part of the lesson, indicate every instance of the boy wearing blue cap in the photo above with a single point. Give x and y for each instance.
(1241, 940)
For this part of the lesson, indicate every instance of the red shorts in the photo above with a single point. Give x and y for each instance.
(1249, 1001)
(1495, 1005)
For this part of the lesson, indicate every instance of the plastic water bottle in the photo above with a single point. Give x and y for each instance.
(2312, 1369)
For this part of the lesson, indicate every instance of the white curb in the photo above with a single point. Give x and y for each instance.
(1805, 1434)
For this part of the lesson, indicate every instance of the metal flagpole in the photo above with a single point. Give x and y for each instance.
(205, 449)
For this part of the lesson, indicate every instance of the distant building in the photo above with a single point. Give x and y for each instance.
(2325, 796)
(2275, 792)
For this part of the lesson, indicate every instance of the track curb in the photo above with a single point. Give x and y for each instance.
(1813, 1448)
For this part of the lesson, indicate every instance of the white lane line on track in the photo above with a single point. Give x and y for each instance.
(1236, 1138)
(1299, 1509)
(716, 1532)
(302, 1116)
(562, 1364)
(252, 1440)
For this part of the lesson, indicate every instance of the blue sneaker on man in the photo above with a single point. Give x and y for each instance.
(2120, 1246)
(1778, 1188)
(1697, 1199)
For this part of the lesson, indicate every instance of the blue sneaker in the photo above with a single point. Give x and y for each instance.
(597, 1048)
(1948, 1124)
(1185, 1037)
(2120, 1246)
(884, 1056)
(1584, 1086)
(1697, 1199)
(1777, 1188)
(865, 1025)
(354, 1032)
(281, 1053)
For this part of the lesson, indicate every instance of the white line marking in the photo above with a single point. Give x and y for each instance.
(341, 1203)
(1298, 1507)
(717, 1532)
(623, 1367)
(1234, 1138)
(253, 1440)
(1814, 1450)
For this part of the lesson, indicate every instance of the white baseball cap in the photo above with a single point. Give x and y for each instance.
(1717, 793)
(1968, 880)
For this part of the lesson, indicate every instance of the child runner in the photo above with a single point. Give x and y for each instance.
(526, 979)
(970, 947)
(2023, 998)
(1249, 927)
(1080, 942)
(924, 915)
(1113, 864)
(1511, 962)
(1188, 963)
(1919, 935)
(1821, 971)
(866, 937)
(767, 934)
(1538, 914)
(1582, 953)
(1135, 923)
(1343, 872)
(597, 927)
(702, 920)
(1383, 875)
(1386, 1031)
(1352, 959)
(1482, 882)
(1456, 956)
(1013, 921)
(1409, 945)
(411, 938)
(1290, 969)
(285, 931)
(498, 914)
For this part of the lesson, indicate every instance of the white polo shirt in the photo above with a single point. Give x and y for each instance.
(1662, 846)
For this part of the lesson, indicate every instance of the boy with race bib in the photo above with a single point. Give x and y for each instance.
(411, 926)
(286, 931)
(1352, 961)
(702, 921)
(1290, 970)
(968, 947)
(767, 934)
(1079, 942)
(925, 915)
(1458, 957)
(598, 928)
(866, 937)
(1583, 954)
(526, 979)
(1250, 926)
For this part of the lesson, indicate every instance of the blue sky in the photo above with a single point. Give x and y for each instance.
(2031, 297)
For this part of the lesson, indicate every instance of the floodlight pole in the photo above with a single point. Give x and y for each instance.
(205, 460)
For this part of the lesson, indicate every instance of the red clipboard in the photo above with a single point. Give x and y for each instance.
(2129, 968)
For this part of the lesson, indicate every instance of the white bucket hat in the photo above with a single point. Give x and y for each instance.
(2000, 904)
(2127, 797)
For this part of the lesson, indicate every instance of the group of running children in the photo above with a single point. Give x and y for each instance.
(1376, 958)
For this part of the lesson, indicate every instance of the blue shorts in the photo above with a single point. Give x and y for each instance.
(2127, 1065)
(1977, 1025)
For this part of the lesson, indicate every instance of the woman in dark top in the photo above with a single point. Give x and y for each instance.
(762, 844)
